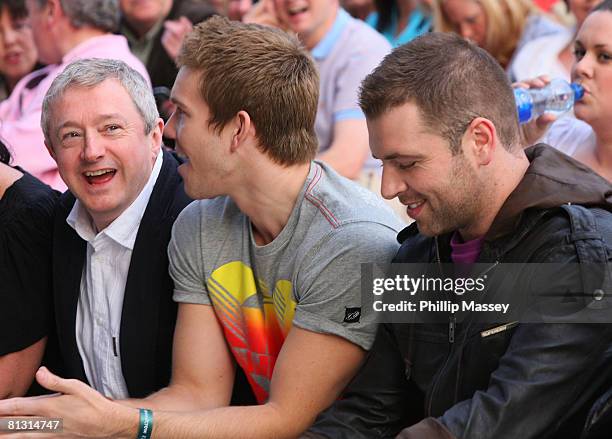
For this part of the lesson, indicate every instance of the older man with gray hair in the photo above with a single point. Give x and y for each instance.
(64, 31)
(114, 311)
(113, 295)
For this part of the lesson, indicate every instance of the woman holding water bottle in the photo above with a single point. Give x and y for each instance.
(588, 139)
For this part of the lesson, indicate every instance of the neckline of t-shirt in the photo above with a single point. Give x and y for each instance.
(288, 231)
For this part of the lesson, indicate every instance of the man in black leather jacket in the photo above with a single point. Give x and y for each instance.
(441, 117)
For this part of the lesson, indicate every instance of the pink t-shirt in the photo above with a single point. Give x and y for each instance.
(465, 252)
(20, 113)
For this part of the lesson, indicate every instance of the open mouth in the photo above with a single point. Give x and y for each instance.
(415, 204)
(414, 208)
(99, 176)
(179, 152)
(293, 11)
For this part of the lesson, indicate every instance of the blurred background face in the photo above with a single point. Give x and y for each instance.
(17, 50)
(145, 13)
(310, 19)
(467, 18)
(593, 69)
(237, 8)
(581, 8)
(43, 40)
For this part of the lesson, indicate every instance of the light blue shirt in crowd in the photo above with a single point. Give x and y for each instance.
(418, 24)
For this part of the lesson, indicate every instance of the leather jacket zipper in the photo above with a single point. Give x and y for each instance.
(451, 331)
(451, 337)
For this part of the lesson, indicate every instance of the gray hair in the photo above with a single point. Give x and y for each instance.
(101, 14)
(93, 71)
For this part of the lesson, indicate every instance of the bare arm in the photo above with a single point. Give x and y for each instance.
(17, 369)
(202, 366)
(310, 373)
(349, 150)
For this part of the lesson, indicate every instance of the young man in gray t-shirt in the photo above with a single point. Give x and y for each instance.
(266, 268)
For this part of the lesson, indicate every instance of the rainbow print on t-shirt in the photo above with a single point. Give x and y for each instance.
(255, 320)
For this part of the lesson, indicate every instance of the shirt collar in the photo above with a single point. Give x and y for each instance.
(125, 228)
(325, 46)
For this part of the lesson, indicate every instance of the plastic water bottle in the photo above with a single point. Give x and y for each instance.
(557, 98)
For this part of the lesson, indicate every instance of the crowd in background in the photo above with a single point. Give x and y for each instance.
(528, 39)
(533, 41)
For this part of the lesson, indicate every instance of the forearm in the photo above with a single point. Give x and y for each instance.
(177, 397)
(251, 422)
(17, 369)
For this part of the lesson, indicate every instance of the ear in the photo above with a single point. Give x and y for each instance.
(156, 136)
(242, 130)
(53, 10)
(50, 150)
(481, 140)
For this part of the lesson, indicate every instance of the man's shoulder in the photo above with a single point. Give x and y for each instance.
(108, 46)
(217, 216)
(560, 234)
(339, 201)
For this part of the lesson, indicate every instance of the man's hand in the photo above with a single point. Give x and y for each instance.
(175, 32)
(535, 129)
(85, 412)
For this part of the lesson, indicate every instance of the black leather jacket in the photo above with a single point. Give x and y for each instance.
(521, 381)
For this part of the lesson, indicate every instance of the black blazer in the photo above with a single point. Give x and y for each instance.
(149, 313)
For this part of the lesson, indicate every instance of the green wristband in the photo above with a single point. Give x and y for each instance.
(146, 424)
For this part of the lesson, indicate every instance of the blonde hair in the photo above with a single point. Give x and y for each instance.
(506, 20)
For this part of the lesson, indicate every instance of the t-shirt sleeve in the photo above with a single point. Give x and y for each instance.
(329, 284)
(185, 258)
(359, 64)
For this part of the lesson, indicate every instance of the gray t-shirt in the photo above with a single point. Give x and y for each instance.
(308, 276)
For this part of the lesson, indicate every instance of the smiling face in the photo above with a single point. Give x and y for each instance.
(17, 50)
(468, 19)
(441, 190)
(310, 19)
(102, 152)
(593, 69)
(205, 149)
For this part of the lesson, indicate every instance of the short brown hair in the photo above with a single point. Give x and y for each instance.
(451, 81)
(266, 73)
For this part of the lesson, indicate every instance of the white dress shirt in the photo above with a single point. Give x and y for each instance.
(98, 318)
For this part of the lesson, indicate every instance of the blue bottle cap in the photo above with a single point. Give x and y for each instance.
(524, 105)
(578, 91)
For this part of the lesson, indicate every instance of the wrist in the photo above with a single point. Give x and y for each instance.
(145, 425)
(129, 422)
